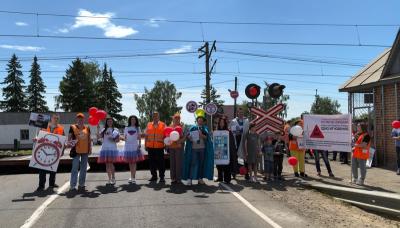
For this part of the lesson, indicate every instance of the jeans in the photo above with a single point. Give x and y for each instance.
(42, 178)
(398, 156)
(156, 161)
(278, 165)
(317, 154)
(334, 156)
(197, 164)
(345, 157)
(358, 163)
(79, 162)
(175, 158)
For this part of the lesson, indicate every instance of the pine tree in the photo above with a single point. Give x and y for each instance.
(13, 92)
(113, 104)
(36, 88)
(77, 89)
(214, 97)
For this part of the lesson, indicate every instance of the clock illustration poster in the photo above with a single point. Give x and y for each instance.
(47, 151)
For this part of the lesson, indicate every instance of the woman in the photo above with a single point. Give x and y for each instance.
(109, 150)
(198, 160)
(252, 151)
(132, 148)
(360, 154)
(298, 153)
(324, 154)
(79, 139)
(176, 152)
(224, 171)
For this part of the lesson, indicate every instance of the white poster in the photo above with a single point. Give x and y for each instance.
(47, 151)
(328, 132)
(221, 147)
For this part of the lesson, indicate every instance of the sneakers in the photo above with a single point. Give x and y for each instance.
(319, 174)
(81, 188)
(360, 182)
(162, 180)
(112, 182)
(39, 189)
(331, 175)
(201, 182)
(189, 183)
(54, 186)
(303, 175)
(71, 189)
(132, 181)
(296, 174)
(353, 181)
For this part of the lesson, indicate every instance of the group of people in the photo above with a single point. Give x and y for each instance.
(192, 155)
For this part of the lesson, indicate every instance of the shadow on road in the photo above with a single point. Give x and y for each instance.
(130, 187)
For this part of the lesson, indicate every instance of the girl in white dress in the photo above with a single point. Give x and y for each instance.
(109, 150)
(132, 152)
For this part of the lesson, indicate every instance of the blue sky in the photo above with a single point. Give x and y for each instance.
(301, 87)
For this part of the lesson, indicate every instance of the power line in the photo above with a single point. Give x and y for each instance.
(202, 22)
(195, 41)
(292, 58)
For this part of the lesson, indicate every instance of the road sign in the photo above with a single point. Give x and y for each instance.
(211, 109)
(191, 106)
(267, 120)
(234, 94)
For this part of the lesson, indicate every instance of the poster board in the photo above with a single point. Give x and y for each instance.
(39, 120)
(47, 151)
(328, 132)
(221, 147)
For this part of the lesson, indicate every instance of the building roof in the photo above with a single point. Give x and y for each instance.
(383, 69)
(18, 118)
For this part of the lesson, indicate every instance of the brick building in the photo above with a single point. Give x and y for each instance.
(374, 98)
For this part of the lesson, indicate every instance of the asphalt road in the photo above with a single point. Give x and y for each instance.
(142, 205)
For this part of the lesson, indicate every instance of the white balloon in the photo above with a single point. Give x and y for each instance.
(174, 136)
(167, 141)
(296, 131)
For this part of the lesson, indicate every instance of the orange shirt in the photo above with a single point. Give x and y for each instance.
(83, 137)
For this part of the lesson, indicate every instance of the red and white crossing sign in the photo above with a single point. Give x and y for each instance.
(267, 120)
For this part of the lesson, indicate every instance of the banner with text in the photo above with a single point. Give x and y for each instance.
(328, 132)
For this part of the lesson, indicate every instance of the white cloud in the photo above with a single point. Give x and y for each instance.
(62, 30)
(154, 22)
(21, 48)
(102, 21)
(21, 23)
(183, 48)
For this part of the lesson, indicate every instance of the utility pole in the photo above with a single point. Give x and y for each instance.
(207, 52)
(234, 100)
(316, 99)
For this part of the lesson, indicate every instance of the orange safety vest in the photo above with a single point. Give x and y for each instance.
(359, 152)
(155, 136)
(83, 137)
(293, 146)
(59, 130)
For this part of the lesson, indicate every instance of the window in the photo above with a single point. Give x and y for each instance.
(24, 134)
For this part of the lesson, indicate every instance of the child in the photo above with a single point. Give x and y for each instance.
(109, 150)
(280, 150)
(268, 152)
(252, 151)
(132, 152)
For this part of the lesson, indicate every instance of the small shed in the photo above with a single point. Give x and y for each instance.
(373, 97)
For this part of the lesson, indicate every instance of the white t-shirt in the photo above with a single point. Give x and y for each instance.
(132, 134)
(108, 139)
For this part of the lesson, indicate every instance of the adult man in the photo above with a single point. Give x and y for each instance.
(79, 134)
(154, 142)
(239, 127)
(55, 128)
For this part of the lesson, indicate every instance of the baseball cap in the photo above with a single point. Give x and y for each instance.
(80, 115)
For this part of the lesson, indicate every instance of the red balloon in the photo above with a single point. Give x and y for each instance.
(253, 91)
(93, 121)
(243, 170)
(92, 111)
(396, 124)
(179, 130)
(292, 161)
(101, 114)
(168, 131)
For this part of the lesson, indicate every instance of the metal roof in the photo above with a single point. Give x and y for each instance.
(384, 69)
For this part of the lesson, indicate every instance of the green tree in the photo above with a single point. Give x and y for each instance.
(214, 97)
(77, 89)
(13, 92)
(325, 106)
(162, 98)
(36, 89)
(269, 102)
